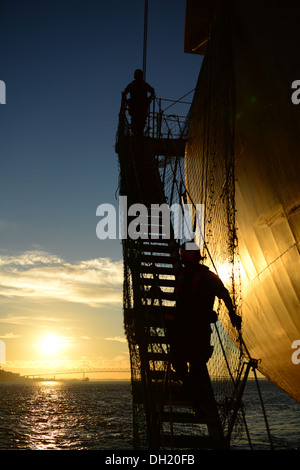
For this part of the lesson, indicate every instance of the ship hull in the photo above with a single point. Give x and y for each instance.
(250, 72)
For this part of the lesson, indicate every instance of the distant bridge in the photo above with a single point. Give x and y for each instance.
(75, 371)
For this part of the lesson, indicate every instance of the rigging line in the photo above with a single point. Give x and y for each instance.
(224, 353)
(263, 410)
(178, 101)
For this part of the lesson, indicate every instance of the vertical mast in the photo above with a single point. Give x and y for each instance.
(145, 38)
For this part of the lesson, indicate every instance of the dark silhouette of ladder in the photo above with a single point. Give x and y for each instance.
(153, 263)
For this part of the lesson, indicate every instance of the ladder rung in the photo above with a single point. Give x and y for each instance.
(157, 243)
(160, 270)
(158, 356)
(158, 340)
(158, 259)
(156, 248)
(158, 282)
(162, 295)
(149, 310)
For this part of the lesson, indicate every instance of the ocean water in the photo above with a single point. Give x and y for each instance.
(98, 416)
(65, 415)
(283, 418)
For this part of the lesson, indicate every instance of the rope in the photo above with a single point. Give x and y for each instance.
(145, 39)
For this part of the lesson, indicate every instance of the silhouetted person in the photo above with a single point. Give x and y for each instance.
(141, 95)
(190, 332)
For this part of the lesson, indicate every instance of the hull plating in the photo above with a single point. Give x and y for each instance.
(259, 63)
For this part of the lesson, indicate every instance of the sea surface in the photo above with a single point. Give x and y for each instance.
(66, 415)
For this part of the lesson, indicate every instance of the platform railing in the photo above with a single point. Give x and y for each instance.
(166, 119)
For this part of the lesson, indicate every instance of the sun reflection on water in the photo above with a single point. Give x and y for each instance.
(65, 415)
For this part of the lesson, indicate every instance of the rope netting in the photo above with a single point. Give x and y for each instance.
(210, 180)
(204, 178)
(226, 362)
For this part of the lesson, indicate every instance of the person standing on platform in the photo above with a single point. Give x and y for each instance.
(141, 95)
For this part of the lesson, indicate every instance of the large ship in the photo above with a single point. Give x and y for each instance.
(235, 155)
(242, 162)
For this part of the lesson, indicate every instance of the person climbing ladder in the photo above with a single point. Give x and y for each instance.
(190, 332)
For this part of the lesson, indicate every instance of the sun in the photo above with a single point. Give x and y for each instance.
(51, 345)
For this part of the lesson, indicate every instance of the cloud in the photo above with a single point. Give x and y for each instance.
(40, 275)
(121, 339)
(29, 320)
(10, 336)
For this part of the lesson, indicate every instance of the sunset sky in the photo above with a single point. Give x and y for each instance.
(65, 63)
